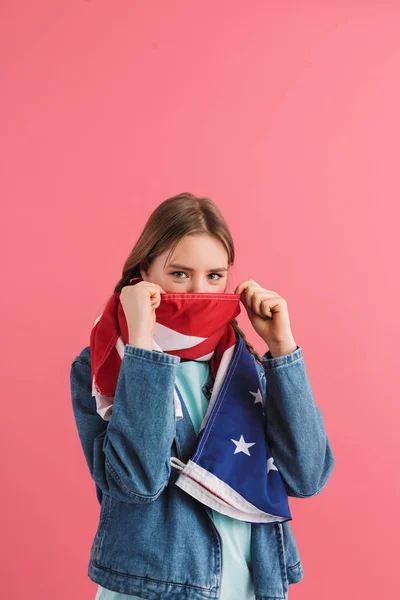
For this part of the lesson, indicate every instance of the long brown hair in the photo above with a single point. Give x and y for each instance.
(173, 219)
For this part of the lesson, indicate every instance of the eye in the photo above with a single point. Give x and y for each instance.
(217, 274)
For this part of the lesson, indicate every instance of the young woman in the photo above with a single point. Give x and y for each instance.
(158, 538)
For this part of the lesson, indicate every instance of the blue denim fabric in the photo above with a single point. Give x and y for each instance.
(153, 539)
(237, 578)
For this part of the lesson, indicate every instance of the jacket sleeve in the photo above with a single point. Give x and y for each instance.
(294, 426)
(128, 456)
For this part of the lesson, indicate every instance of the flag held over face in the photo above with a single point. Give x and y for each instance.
(232, 470)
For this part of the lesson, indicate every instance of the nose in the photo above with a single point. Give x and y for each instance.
(197, 287)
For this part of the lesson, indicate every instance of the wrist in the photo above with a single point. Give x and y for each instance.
(141, 341)
(281, 349)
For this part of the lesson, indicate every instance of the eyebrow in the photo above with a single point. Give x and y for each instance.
(176, 266)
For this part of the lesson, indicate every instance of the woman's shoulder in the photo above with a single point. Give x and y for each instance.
(83, 356)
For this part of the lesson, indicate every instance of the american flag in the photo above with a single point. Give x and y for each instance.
(232, 470)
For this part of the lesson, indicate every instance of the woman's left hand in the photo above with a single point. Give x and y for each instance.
(269, 316)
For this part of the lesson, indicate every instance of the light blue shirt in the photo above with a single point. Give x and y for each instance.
(237, 581)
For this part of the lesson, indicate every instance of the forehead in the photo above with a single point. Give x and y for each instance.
(200, 252)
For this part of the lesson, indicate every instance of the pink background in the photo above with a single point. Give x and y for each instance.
(287, 115)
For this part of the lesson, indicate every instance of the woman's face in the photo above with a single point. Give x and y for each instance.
(199, 263)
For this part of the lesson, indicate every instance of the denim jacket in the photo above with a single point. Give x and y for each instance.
(153, 539)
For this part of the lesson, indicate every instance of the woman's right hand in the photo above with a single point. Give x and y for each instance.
(139, 302)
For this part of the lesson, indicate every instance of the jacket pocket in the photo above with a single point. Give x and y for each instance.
(102, 528)
(293, 564)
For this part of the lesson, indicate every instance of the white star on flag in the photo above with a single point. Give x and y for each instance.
(241, 446)
(270, 465)
(258, 396)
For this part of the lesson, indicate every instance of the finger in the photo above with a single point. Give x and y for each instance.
(251, 283)
(265, 308)
(151, 284)
(261, 304)
(254, 294)
(242, 286)
(155, 302)
(249, 294)
(256, 301)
